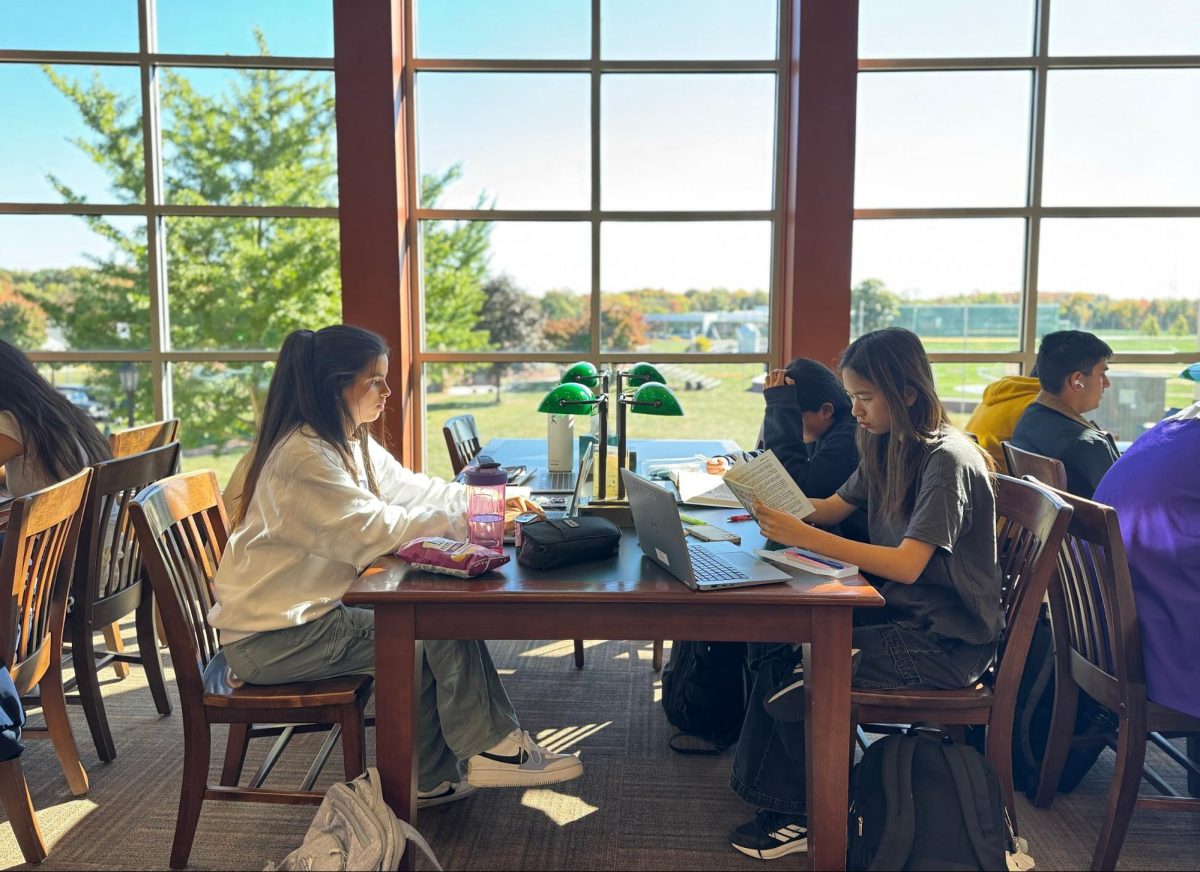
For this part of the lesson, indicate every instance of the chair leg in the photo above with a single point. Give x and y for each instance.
(196, 749)
(999, 754)
(54, 708)
(148, 651)
(1122, 793)
(354, 744)
(1058, 740)
(116, 645)
(235, 754)
(658, 655)
(578, 653)
(14, 795)
(87, 681)
(1193, 752)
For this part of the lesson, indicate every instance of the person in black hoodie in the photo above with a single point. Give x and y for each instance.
(808, 425)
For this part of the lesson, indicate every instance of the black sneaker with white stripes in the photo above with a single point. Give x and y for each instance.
(772, 835)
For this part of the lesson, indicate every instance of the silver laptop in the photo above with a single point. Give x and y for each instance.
(546, 482)
(559, 507)
(699, 565)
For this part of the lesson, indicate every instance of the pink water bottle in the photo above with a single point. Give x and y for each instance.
(485, 480)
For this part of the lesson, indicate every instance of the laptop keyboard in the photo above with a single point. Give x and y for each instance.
(708, 568)
(560, 480)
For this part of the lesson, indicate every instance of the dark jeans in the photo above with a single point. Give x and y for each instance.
(768, 765)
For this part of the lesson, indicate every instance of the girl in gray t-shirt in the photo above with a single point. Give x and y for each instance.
(931, 513)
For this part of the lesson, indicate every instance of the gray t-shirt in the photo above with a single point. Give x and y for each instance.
(958, 594)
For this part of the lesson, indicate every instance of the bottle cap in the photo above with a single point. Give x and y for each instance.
(485, 471)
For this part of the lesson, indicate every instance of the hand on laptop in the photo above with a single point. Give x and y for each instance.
(514, 506)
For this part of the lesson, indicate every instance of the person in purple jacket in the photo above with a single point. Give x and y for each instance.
(1155, 488)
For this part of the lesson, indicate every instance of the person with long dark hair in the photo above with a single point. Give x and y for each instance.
(321, 500)
(931, 512)
(44, 438)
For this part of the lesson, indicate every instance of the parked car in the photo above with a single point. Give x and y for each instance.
(80, 397)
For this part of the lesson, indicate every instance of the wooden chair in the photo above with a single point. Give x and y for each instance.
(135, 440)
(14, 797)
(35, 577)
(182, 530)
(1098, 649)
(109, 583)
(1032, 522)
(1022, 463)
(462, 440)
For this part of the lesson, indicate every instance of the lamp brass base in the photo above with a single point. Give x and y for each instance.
(616, 511)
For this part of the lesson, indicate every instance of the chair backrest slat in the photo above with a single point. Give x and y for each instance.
(135, 440)
(1095, 592)
(462, 440)
(35, 571)
(182, 527)
(1032, 521)
(1047, 470)
(109, 554)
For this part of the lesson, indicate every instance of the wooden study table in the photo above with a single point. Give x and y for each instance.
(626, 597)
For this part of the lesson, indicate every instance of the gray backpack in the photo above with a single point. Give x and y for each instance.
(355, 829)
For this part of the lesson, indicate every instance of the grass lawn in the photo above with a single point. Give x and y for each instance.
(728, 411)
(221, 464)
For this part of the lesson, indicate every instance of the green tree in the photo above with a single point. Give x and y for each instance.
(872, 306)
(267, 138)
(1150, 326)
(1180, 326)
(513, 321)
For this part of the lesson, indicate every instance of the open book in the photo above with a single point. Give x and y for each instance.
(762, 478)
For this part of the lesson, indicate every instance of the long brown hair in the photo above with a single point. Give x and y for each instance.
(306, 390)
(894, 361)
(56, 435)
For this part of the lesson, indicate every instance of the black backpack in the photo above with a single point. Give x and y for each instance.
(704, 689)
(918, 800)
(1031, 720)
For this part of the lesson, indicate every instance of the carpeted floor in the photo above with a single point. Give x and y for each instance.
(637, 806)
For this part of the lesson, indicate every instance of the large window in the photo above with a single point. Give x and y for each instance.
(1024, 167)
(168, 203)
(595, 179)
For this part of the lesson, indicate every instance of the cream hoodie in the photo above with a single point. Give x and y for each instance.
(311, 527)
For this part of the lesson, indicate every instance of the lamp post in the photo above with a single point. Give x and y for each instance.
(129, 383)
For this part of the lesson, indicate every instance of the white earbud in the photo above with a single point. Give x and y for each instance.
(1079, 383)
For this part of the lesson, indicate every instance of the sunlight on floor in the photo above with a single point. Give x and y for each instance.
(658, 690)
(561, 648)
(559, 807)
(560, 739)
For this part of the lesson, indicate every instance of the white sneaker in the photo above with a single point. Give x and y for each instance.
(529, 766)
(447, 791)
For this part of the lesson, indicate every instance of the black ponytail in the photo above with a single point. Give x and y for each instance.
(306, 390)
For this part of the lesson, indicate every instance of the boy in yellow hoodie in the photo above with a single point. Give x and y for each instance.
(993, 420)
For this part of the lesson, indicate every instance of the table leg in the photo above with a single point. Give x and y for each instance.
(397, 682)
(827, 734)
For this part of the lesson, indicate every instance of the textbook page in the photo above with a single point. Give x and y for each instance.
(702, 489)
(765, 478)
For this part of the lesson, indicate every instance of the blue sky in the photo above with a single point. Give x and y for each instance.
(1114, 138)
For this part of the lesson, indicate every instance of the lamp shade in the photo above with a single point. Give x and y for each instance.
(1192, 373)
(642, 373)
(569, 399)
(655, 398)
(583, 372)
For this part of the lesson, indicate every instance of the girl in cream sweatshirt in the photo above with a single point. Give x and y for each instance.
(321, 499)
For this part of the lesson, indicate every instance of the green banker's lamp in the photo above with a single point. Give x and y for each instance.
(576, 395)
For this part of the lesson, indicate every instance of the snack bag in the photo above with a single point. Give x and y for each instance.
(450, 557)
